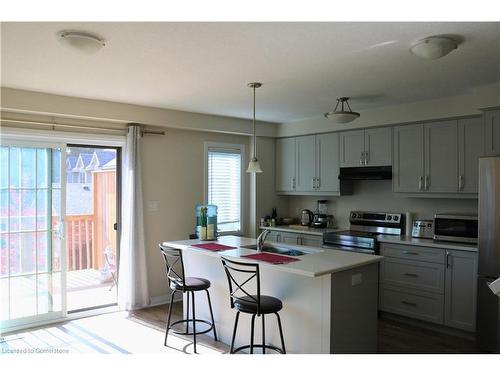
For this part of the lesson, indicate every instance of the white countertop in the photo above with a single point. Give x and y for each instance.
(320, 261)
(428, 242)
(301, 229)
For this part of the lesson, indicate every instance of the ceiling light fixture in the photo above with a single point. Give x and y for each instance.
(254, 165)
(433, 47)
(343, 116)
(81, 41)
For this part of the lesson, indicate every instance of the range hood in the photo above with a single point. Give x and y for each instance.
(366, 173)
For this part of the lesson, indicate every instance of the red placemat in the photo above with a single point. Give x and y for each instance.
(213, 246)
(271, 258)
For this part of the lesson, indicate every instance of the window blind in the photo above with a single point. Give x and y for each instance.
(224, 187)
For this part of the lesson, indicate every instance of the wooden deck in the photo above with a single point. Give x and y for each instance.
(87, 289)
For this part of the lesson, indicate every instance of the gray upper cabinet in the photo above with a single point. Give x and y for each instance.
(306, 164)
(378, 146)
(369, 147)
(492, 130)
(460, 290)
(285, 164)
(470, 148)
(352, 148)
(441, 157)
(327, 165)
(408, 168)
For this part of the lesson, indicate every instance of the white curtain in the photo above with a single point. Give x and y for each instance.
(133, 290)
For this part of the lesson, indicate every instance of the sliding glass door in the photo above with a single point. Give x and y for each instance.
(32, 250)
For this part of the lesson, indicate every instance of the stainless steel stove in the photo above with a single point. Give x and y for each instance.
(363, 232)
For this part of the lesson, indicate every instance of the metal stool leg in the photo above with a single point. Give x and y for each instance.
(194, 323)
(281, 334)
(187, 314)
(211, 314)
(234, 331)
(251, 334)
(169, 315)
(263, 335)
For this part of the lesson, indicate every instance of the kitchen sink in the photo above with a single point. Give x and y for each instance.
(278, 250)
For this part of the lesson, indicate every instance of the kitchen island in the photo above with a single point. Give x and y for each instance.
(330, 297)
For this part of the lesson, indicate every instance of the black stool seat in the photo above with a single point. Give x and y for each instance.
(191, 284)
(268, 304)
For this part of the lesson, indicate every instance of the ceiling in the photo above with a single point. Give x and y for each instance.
(205, 67)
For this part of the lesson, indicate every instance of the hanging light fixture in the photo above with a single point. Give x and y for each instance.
(254, 165)
(342, 116)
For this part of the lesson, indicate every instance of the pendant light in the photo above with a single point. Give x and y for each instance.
(342, 116)
(254, 165)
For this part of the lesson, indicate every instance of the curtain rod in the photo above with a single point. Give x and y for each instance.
(54, 124)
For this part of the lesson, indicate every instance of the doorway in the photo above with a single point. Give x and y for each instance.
(91, 233)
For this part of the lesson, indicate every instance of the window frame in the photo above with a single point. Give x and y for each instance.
(228, 147)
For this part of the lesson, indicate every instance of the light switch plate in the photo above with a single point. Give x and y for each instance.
(153, 206)
(356, 279)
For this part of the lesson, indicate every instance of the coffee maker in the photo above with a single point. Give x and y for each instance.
(320, 218)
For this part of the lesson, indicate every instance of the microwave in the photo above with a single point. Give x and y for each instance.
(456, 228)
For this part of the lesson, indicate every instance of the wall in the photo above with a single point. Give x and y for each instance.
(377, 196)
(173, 175)
(466, 104)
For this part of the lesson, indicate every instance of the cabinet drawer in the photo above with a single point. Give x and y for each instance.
(412, 274)
(420, 253)
(311, 240)
(419, 305)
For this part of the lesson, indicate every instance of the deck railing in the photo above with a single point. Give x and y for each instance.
(80, 242)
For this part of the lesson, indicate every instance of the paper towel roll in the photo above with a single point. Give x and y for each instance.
(409, 223)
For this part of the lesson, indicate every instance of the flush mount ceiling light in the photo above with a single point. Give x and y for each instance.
(433, 47)
(81, 41)
(254, 165)
(343, 116)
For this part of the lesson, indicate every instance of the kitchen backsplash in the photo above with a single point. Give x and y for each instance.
(378, 196)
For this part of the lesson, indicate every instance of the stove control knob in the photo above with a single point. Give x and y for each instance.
(389, 217)
(396, 218)
(353, 215)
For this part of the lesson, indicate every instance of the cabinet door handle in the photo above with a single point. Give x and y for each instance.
(314, 183)
(420, 178)
(410, 274)
(460, 183)
(410, 253)
(317, 183)
(409, 303)
(366, 158)
(448, 259)
(361, 159)
(426, 183)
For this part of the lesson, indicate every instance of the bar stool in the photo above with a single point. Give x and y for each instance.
(180, 283)
(238, 275)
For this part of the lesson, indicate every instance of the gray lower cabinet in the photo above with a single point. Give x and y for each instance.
(285, 164)
(492, 132)
(432, 284)
(460, 292)
(311, 240)
(290, 238)
(295, 238)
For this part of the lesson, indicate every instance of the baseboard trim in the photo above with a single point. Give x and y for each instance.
(164, 299)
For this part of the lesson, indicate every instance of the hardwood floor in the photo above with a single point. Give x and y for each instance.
(143, 332)
(393, 337)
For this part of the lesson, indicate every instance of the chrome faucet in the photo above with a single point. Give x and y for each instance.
(261, 239)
